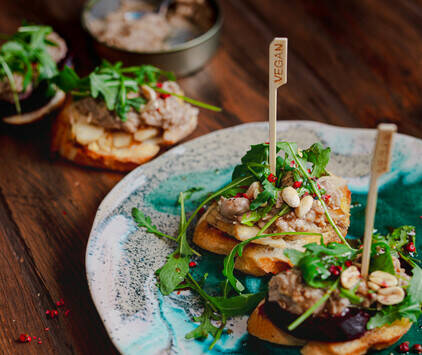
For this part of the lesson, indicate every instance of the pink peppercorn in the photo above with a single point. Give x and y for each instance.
(404, 347)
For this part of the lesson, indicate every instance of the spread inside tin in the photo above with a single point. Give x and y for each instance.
(138, 26)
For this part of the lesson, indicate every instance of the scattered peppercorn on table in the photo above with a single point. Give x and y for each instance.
(344, 68)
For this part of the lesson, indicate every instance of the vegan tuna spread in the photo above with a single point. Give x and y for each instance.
(135, 26)
(120, 117)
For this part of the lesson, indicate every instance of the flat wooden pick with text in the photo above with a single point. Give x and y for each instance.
(381, 164)
(277, 77)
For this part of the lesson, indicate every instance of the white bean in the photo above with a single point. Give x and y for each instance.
(291, 197)
(304, 206)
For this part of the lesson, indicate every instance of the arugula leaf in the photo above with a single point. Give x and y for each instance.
(205, 327)
(251, 217)
(189, 192)
(145, 222)
(400, 237)
(333, 249)
(235, 183)
(314, 307)
(319, 157)
(258, 154)
(294, 255)
(184, 248)
(189, 100)
(136, 103)
(381, 258)
(233, 191)
(25, 53)
(238, 305)
(99, 85)
(229, 260)
(112, 83)
(315, 262)
(173, 272)
(301, 163)
(314, 271)
(12, 82)
(351, 294)
(388, 315)
(415, 286)
(268, 195)
(67, 79)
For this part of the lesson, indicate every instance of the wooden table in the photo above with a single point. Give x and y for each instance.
(351, 63)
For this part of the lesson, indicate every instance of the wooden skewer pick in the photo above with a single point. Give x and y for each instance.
(277, 77)
(381, 163)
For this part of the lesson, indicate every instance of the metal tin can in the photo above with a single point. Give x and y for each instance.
(182, 59)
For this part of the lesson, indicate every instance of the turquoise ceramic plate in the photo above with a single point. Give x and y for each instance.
(121, 259)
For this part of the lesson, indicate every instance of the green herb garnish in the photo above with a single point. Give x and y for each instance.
(174, 275)
(315, 262)
(113, 82)
(25, 53)
(317, 259)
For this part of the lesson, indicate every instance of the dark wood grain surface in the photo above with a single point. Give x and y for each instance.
(351, 63)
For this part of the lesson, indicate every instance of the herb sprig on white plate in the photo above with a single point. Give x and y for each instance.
(175, 273)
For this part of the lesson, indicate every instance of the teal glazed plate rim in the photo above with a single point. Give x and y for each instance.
(121, 259)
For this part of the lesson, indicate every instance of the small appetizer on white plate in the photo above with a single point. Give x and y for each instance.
(120, 117)
(325, 304)
(29, 61)
(302, 198)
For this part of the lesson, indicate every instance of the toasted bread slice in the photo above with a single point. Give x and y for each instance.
(260, 326)
(92, 145)
(20, 119)
(265, 255)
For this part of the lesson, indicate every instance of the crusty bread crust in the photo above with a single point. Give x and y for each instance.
(260, 260)
(260, 326)
(140, 153)
(56, 101)
(257, 260)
